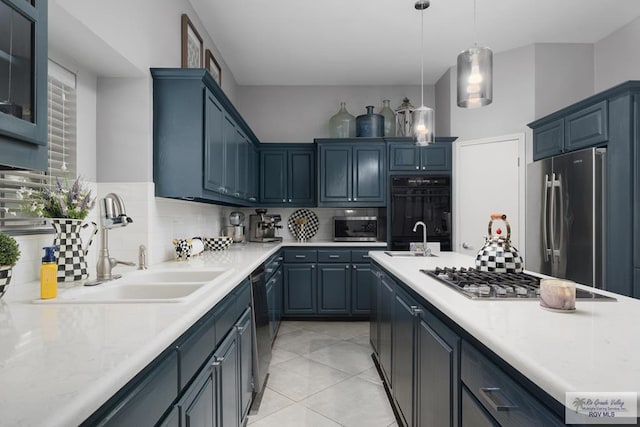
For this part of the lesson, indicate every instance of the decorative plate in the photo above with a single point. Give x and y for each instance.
(303, 224)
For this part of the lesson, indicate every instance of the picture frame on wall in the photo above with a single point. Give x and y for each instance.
(214, 68)
(192, 45)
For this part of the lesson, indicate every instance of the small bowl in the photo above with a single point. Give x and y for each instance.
(219, 243)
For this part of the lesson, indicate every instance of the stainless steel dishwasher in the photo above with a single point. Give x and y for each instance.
(261, 334)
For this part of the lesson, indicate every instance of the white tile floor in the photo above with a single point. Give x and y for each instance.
(322, 375)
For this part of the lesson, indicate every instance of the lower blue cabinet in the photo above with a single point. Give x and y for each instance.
(226, 367)
(402, 357)
(243, 328)
(334, 286)
(198, 406)
(361, 283)
(300, 288)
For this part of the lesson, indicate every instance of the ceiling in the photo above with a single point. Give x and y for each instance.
(377, 42)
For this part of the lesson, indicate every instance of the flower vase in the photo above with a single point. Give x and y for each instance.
(71, 254)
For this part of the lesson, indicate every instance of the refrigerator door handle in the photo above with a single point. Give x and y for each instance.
(557, 251)
(546, 216)
(552, 218)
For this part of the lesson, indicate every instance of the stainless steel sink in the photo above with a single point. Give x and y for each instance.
(408, 254)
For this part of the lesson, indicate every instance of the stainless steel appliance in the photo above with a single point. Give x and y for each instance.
(565, 217)
(486, 285)
(262, 333)
(420, 198)
(236, 229)
(262, 226)
(355, 228)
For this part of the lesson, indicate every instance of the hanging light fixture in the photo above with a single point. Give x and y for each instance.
(423, 122)
(475, 73)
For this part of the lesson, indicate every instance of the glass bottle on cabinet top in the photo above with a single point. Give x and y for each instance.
(342, 124)
(16, 64)
(389, 118)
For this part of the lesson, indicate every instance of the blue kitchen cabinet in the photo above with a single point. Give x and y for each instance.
(404, 156)
(253, 167)
(472, 412)
(23, 118)
(351, 174)
(227, 365)
(548, 139)
(244, 331)
(198, 406)
(361, 293)
(374, 316)
(201, 144)
(405, 310)
(300, 289)
(385, 321)
(334, 288)
(287, 175)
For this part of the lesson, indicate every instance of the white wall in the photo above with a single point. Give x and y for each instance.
(443, 104)
(616, 57)
(564, 74)
(302, 113)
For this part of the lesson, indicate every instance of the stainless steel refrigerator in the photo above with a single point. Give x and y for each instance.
(565, 216)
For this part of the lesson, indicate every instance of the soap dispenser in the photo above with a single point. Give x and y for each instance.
(48, 273)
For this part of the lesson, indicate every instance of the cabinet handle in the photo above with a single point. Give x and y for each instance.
(355, 267)
(279, 258)
(284, 200)
(269, 270)
(236, 194)
(289, 200)
(424, 168)
(418, 167)
(334, 256)
(355, 200)
(301, 256)
(366, 256)
(415, 310)
(252, 199)
(487, 394)
(349, 199)
(221, 189)
(240, 329)
(346, 266)
(313, 266)
(217, 362)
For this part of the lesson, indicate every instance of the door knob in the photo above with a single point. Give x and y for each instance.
(465, 245)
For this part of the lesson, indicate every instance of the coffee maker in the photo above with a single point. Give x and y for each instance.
(236, 229)
(262, 227)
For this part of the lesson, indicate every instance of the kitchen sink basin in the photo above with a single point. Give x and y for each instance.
(156, 286)
(408, 254)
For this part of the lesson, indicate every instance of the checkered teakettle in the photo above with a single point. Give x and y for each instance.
(498, 255)
(72, 264)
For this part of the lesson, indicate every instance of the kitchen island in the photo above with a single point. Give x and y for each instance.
(593, 349)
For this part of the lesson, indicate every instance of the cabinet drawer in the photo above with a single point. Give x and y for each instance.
(196, 348)
(243, 298)
(501, 397)
(587, 127)
(272, 265)
(301, 255)
(362, 255)
(225, 317)
(334, 255)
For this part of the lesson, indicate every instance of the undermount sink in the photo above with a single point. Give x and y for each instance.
(142, 287)
(408, 253)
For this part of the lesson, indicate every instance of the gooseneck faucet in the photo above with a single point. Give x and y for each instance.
(112, 215)
(424, 236)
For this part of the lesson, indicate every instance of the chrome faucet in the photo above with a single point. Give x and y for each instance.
(112, 214)
(427, 252)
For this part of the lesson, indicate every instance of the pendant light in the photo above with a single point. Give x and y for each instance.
(423, 122)
(475, 74)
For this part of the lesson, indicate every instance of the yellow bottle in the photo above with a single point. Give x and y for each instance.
(48, 273)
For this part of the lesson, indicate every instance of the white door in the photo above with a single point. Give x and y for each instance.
(489, 177)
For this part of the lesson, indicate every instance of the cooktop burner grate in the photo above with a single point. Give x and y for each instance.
(477, 284)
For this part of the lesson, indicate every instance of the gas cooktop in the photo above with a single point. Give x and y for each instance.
(485, 285)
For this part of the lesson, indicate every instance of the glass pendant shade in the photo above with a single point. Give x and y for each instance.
(423, 126)
(475, 77)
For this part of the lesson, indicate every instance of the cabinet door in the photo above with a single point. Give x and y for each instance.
(271, 304)
(437, 376)
(335, 173)
(374, 323)
(273, 176)
(198, 403)
(253, 167)
(226, 370)
(548, 140)
(172, 419)
(334, 288)
(246, 371)
(300, 289)
(361, 284)
(242, 170)
(23, 117)
(404, 157)
(277, 291)
(301, 181)
(587, 127)
(385, 317)
(369, 174)
(403, 349)
(231, 142)
(436, 157)
(214, 145)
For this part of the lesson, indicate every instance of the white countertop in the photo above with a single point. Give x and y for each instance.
(596, 348)
(59, 363)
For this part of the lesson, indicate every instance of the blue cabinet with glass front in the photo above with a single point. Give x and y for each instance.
(203, 149)
(23, 94)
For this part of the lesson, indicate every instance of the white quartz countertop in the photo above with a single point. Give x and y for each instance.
(61, 362)
(596, 348)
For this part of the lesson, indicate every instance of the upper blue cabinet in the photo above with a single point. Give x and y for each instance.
(287, 174)
(23, 92)
(404, 156)
(202, 148)
(352, 172)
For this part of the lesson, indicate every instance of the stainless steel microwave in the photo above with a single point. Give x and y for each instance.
(355, 228)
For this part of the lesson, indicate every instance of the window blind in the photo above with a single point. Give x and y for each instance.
(61, 107)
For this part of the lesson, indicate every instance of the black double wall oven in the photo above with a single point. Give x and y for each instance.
(420, 198)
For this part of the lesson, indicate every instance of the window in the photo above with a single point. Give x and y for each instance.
(61, 96)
